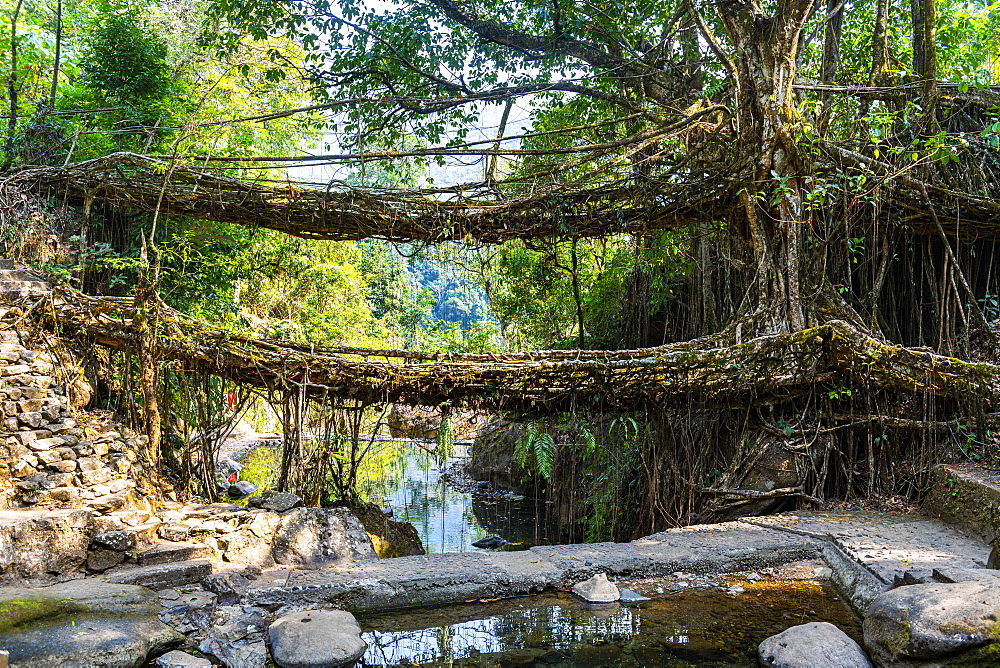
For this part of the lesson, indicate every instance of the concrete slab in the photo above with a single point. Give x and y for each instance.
(874, 552)
(458, 577)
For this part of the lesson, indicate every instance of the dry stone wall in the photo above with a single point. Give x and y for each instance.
(50, 458)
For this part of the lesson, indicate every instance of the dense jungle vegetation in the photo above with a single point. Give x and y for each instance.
(790, 163)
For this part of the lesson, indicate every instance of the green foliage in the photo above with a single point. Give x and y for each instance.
(481, 337)
(612, 463)
(536, 451)
(124, 60)
(445, 440)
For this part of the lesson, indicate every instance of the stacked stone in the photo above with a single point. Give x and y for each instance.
(50, 460)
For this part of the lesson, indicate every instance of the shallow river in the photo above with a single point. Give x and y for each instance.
(706, 627)
(697, 628)
(450, 521)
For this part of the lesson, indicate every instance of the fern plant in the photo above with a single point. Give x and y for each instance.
(536, 450)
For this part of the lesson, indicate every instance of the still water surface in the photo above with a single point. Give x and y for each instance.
(449, 520)
(697, 628)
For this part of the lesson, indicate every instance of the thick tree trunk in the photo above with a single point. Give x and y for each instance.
(880, 47)
(767, 124)
(924, 20)
(831, 58)
(12, 89)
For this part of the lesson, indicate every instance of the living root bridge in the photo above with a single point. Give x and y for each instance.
(471, 213)
(344, 213)
(765, 370)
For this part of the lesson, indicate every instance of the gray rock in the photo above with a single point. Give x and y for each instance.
(118, 642)
(82, 623)
(178, 659)
(174, 532)
(88, 595)
(922, 622)
(237, 639)
(241, 490)
(164, 576)
(230, 587)
(33, 544)
(101, 560)
(251, 542)
(279, 502)
(169, 554)
(490, 543)
(802, 646)
(316, 639)
(107, 503)
(120, 541)
(242, 654)
(243, 627)
(597, 590)
(321, 537)
(629, 597)
(64, 466)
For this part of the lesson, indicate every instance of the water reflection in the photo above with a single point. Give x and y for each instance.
(555, 630)
(448, 520)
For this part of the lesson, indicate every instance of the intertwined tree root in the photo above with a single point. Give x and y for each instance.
(765, 370)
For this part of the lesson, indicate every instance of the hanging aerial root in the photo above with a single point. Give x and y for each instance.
(765, 370)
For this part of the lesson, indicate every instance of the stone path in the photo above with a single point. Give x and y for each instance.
(869, 553)
(874, 552)
(453, 577)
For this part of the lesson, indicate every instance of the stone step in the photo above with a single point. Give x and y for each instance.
(172, 553)
(162, 576)
(12, 274)
(23, 287)
(20, 283)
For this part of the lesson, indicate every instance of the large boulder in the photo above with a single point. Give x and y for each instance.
(321, 537)
(83, 623)
(316, 639)
(802, 646)
(251, 542)
(927, 622)
(39, 544)
(389, 537)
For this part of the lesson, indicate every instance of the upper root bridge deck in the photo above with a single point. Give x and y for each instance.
(343, 212)
(606, 204)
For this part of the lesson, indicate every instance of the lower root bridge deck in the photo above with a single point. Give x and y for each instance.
(764, 370)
